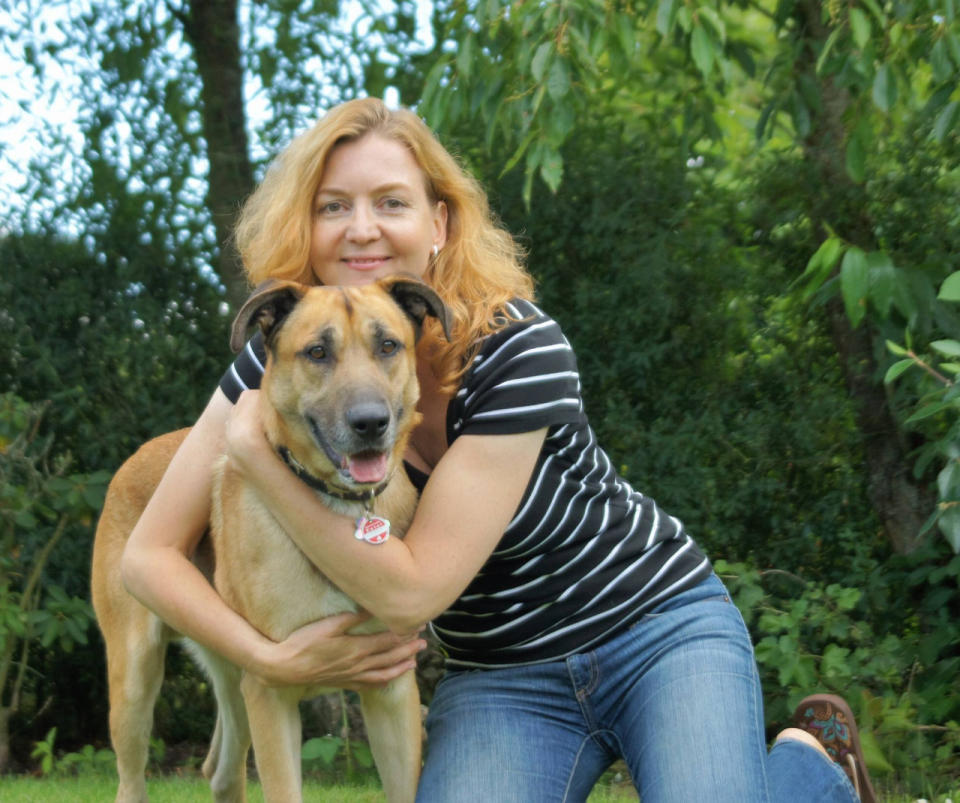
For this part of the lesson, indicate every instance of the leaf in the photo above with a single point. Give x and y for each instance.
(884, 88)
(834, 662)
(872, 754)
(949, 524)
(940, 62)
(25, 520)
(856, 160)
(551, 168)
(929, 410)
(949, 348)
(558, 82)
(519, 152)
(465, 56)
(946, 120)
(854, 284)
(324, 749)
(826, 255)
(896, 370)
(540, 60)
(582, 51)
(950, 289)
(764, 118)
(93, 495)
(876, 11)
(74, 632)
(884, 281)
(948, 481)
(626, 34)
(702, 50)
(827, 49)
(713, 19)
(362, 754)
(666, 16)
(860, 27)
(820, 265)
(953, 45)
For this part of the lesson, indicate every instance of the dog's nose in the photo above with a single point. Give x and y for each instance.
(369, 419)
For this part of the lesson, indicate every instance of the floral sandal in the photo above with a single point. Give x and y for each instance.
(829, 719)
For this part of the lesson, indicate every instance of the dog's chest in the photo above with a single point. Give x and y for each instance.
(260, 572)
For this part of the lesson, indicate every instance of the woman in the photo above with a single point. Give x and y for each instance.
(579, 620)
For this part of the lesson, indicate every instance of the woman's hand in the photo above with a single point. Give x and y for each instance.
(324, 653)
(246, 443)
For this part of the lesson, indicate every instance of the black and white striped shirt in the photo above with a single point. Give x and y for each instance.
(585, 555)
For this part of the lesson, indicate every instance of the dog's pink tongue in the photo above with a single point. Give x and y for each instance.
(367, 468)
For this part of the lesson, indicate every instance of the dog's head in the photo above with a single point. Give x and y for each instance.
(341, 377)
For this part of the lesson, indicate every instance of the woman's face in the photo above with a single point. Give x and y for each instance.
(372, 216)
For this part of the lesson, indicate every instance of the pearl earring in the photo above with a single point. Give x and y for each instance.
(436, 250)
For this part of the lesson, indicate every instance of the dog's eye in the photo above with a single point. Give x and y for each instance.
(317, 353)
(388, 347)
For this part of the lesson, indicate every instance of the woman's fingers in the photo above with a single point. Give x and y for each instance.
(325, 653)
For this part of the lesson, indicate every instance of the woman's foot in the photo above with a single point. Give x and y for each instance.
(829, 721)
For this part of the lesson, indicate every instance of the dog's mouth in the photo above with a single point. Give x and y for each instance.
(364, 467)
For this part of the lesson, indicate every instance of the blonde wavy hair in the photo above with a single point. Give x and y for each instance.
(478, 271)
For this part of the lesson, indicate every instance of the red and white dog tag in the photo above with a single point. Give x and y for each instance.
(372, 529)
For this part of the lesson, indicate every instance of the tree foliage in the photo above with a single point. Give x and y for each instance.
(40, 502)
(834, 83)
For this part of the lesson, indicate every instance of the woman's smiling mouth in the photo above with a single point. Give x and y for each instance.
(365, 263)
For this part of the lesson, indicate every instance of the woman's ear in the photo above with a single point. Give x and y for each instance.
(440, 224)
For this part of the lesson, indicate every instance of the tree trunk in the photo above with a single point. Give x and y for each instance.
(902, 504)
(4, 739)
(213, 30)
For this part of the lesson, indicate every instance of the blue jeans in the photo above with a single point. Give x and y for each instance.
(677, 696)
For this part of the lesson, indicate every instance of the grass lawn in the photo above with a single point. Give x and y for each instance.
(172, 789)
(97, 788)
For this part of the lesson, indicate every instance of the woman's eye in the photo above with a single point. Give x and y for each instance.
(317, 353)
(388, 347)
(330, 208)
(393, 203)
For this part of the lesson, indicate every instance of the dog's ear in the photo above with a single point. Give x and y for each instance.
(269, 304)
(418, 300)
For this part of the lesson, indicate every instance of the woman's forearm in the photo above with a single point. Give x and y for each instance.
(167, 583)
(472, 495)
(324, 653)
(383, 579)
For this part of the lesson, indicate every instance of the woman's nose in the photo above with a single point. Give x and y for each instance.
(363, 225)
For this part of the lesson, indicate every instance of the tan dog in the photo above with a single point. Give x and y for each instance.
(341, 392)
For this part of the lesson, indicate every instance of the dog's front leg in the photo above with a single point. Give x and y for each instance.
(276, 729)
(392, 717)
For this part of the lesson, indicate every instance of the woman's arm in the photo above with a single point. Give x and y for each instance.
(465, 508)
(156, 569)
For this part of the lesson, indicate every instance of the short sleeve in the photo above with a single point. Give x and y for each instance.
(523, 378)
(246, 371)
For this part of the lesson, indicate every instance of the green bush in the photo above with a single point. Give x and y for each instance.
(899, 674)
